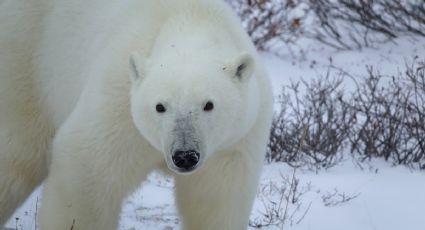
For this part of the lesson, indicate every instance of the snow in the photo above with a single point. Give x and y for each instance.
(387, 197)
(383, 197)
(388, 59)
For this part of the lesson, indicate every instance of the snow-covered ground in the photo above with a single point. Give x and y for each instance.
(383, 197)
(388, 59)
(341, 198)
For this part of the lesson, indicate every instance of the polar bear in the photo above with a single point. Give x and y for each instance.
(97, 94)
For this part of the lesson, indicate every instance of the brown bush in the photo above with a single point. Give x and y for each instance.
(344, 24)
(383, 118)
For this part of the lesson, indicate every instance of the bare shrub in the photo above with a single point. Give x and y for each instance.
(326, 119)
(345, 24)
(350, 24)
(383, 118)
(283, 203)
(337, 198)
(288, 201)
(391, 117)
(415, 121)
(272, 22)
(289, 204)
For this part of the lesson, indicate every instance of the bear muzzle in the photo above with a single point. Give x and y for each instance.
(186, 161)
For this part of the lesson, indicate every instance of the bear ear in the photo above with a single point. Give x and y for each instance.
(241, 67)
(137, 67)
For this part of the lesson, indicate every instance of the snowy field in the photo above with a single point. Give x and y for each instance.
(345, 197)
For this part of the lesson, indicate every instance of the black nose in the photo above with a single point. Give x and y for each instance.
(185, 160)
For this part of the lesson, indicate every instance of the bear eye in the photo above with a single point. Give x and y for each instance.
(209, 106)
(160, 108)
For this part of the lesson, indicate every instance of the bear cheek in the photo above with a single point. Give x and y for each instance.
(144, 122)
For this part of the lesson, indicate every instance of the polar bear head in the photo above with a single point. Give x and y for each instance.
(193, 108)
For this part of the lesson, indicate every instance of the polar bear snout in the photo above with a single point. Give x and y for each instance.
(186, 161)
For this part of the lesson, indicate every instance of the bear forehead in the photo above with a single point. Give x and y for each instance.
(200, 84)
(188, 89)
(188, 71)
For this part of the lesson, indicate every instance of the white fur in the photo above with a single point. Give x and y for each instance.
(84, 77)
